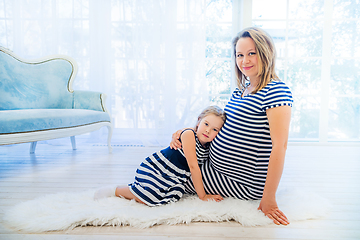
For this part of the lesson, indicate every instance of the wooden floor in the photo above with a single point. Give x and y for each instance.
(333, 171)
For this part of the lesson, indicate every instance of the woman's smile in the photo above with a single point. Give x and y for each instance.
(247, 68)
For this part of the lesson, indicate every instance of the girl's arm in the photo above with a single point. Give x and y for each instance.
(189, 148)
(279, 121)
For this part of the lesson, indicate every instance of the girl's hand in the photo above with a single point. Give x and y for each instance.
(271, 210)
(175, 143)
(216, 198)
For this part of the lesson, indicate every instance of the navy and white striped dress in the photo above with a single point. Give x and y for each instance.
(239, 155)
(161, 177)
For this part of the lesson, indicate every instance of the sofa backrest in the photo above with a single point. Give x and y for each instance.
(44, 83)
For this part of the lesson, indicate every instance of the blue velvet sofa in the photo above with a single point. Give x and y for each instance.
(37, 101)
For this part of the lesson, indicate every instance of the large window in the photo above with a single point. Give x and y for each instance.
(170, 60)
(318, 57)
(160, 62)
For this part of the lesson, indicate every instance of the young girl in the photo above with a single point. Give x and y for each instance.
(161, 177)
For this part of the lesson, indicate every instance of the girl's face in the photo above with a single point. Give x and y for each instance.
(246, 58)
(208, 128)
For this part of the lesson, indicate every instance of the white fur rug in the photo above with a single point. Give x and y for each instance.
(67, 210)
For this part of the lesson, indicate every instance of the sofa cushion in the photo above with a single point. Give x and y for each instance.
(29, 120)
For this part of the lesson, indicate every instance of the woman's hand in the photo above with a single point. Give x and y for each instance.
(271, 210)
(175, 143)
(216, 198)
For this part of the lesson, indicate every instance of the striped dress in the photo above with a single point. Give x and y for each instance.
(239, 155)
(161, 177)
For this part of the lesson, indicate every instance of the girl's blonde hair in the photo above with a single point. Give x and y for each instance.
(215, 110)
(266, 55)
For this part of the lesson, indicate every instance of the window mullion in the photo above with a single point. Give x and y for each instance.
(246, 13)
(286, 54)
(325, 72)
(241, 18)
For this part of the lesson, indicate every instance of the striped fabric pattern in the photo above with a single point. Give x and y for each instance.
(239, 155)
(161, 177)
(202, 153)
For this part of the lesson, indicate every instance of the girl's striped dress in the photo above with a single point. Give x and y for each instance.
(161, 177)
(239, 154)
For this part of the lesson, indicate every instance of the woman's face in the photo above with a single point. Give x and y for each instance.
(246, 58)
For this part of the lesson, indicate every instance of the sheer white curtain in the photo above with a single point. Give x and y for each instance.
(147, 56)
(161, 61)
(158, 61)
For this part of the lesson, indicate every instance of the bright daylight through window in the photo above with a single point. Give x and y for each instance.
(318, 57)
(160, 62)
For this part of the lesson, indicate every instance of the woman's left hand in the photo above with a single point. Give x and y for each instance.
(272, 211)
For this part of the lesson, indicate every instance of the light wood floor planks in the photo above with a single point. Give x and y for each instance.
(333, 171)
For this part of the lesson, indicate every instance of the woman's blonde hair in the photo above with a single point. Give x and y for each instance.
(215, 110)
(266, 55)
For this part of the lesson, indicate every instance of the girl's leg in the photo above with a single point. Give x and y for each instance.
(126, 193)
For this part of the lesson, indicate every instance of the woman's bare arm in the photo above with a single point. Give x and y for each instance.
(279, 122)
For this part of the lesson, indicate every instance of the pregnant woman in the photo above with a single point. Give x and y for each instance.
(247, 156)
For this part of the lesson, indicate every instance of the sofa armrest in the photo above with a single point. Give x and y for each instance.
(89, 100)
